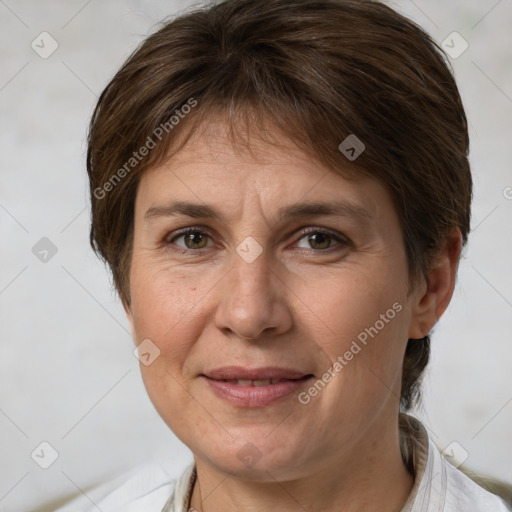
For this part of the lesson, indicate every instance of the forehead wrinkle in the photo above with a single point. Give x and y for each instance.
(333, 208)
(194, 157)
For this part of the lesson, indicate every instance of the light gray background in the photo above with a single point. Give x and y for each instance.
(67, 372)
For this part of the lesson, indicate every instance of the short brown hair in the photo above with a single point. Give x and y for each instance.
(319, 71)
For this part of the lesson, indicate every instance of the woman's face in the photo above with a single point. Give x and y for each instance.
(327, 311)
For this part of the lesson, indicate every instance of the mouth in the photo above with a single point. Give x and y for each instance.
(240, 373)
(257, 387)
(261, 382)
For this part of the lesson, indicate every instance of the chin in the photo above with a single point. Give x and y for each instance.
(257, 460)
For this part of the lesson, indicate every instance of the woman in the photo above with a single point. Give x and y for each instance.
(232, 142)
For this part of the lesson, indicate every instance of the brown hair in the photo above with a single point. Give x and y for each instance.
(319, 71)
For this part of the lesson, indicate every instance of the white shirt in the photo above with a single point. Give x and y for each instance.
(438, 487)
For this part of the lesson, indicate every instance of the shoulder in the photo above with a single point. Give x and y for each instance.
(439, 486)
(463, 494)
(144, 488)
(453, 491)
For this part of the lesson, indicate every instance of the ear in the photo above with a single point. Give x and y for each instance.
(434, 295)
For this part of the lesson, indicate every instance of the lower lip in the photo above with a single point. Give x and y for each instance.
(255, 396)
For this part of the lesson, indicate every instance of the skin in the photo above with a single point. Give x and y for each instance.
(301, 302)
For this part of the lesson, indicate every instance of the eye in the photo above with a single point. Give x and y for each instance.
(193, 238)
(321, 240)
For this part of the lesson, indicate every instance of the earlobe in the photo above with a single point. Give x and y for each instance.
(435, 294)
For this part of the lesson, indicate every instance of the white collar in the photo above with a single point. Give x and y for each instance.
(179, 501)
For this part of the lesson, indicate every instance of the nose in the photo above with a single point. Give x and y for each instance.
(253, 300)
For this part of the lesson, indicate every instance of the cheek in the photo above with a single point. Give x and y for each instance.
(365, 342)
(167, 309)
(161, 296)
(366, 317)
(359, 306)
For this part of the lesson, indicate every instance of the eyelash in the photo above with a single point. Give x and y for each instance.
(343, 241)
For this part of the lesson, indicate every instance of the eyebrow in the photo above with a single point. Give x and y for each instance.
(286, 213)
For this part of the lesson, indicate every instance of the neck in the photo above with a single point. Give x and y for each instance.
(371, 478)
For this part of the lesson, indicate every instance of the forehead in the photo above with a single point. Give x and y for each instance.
(222, 140)
(263, 167)
(219, 149)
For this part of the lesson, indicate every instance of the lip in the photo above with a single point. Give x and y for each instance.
(263, 373)
(221, 382)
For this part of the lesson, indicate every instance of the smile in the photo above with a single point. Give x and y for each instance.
(274, 384)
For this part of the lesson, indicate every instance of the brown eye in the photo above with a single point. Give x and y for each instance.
(192, 239)
(195, 240)
(320, 240)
